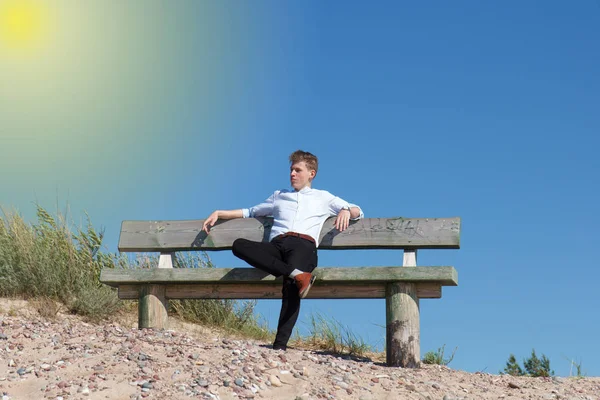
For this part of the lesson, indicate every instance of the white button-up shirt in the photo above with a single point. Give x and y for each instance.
(303, 212)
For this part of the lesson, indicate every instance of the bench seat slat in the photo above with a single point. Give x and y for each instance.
(368, 233)
(445, 276)
(425, 290)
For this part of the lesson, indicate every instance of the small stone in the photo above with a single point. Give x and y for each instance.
(342, 384)
(239, 382)
(146, 385)
(513, 385)
(375, 380)
(11, 363)
(202, 382)
(21, 371)
(3, 336)
(274, 380)
(226, 383)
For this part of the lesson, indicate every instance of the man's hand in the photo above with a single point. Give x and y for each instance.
(342, 221)
(210, 221)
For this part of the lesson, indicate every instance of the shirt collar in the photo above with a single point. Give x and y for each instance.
(305, 190)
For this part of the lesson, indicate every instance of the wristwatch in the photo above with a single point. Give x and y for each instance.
(346, 208)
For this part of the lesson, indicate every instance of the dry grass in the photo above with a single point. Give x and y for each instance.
(329, 335)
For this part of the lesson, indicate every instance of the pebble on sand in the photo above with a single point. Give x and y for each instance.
(275, 381)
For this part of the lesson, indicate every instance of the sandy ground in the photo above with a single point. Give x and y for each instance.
(66, 358)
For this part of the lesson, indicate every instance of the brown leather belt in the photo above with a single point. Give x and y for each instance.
(295, 234)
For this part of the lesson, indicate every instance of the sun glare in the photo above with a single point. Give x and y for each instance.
(21, 23)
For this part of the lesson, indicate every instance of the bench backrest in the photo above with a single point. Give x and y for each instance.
(368, 233)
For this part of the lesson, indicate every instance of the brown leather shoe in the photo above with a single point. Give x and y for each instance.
(304, 281)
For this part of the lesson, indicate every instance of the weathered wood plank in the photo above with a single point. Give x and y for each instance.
(425, 290)
(445, 276)
(368, 233)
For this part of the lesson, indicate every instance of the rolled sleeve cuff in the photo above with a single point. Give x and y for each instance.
(360, 216)
(246, 212)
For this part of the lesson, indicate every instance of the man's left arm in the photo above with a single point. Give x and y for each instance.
(345, 212)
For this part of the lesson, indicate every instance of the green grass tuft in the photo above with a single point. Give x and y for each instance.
(437, 357)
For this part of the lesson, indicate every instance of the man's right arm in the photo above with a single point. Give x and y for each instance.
(220, 214)
(263, 209)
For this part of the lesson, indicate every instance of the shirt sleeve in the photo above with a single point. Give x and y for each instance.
(264, 209)
(336, 204)
(361, 215)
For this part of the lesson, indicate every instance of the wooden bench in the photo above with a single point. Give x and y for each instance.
(401, 287)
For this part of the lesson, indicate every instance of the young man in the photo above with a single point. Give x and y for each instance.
(298, 217)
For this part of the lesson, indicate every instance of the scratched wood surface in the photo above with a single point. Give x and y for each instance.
(368, 233)
(446, 276)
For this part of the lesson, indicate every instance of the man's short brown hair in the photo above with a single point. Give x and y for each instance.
(310, 159)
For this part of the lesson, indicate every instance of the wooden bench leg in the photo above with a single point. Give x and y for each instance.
(152, 308)
(402, 325)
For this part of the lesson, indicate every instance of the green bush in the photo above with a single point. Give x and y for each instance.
(512, 367)
(533, 366)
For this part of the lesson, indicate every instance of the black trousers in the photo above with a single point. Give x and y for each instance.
(280, 257)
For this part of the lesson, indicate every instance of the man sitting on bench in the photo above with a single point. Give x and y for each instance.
(298, 217)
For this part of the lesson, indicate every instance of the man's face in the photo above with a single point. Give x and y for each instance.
(300, 176)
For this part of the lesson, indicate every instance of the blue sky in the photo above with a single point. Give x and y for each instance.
(483, 110)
